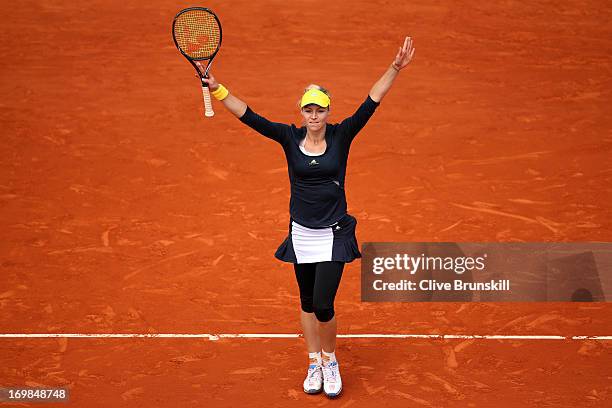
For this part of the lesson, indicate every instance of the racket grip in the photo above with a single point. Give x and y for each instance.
(208, 110)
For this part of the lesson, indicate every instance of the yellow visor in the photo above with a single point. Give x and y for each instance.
(315, 96)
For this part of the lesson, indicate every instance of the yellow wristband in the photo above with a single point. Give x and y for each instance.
(220, 93)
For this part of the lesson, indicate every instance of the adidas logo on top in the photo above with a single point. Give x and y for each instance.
(313, 163)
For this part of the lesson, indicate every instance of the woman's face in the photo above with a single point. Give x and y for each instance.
(315, 117)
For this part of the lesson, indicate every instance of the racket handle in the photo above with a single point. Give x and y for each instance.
(208, 110)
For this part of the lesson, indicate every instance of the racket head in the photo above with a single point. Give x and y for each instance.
(197, 34)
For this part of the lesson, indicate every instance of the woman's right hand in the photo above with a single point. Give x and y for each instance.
(232, 103)
(211, 81)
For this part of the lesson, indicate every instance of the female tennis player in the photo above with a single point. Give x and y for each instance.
(321, 235)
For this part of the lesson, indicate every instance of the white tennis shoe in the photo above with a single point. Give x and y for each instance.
(313, 384)
(332, 383)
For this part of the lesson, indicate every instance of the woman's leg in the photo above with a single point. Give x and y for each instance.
(311, 332)
(305, 275)
(327, 280)
(327, 334)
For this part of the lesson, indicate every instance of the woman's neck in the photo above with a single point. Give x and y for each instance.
(317, 136)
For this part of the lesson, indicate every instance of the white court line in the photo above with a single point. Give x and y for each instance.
(218, 336)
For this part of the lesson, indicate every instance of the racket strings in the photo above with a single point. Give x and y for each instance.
(197, 33)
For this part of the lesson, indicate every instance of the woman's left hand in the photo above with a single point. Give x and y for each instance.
(404, 55)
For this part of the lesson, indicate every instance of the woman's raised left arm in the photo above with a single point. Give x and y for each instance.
(402, 59)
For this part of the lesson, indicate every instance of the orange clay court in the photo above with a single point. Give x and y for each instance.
(124, 210)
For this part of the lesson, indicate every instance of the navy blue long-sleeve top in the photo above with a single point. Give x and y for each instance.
(317, 182)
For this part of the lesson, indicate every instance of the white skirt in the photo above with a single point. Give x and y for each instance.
(336, 243)
(312, 245)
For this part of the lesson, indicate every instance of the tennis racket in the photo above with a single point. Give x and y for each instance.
(197, 34)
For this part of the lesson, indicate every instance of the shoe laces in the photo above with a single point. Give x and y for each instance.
(313, 370)
(331, 370)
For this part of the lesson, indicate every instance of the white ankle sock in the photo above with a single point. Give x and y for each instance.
(314, 356)
(329, 357)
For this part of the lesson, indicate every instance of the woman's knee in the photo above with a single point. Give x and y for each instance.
(323, 310)
(306, 304)
(324, 315)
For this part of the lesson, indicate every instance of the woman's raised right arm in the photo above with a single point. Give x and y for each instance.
(275, 131)
(231, 102)
(235, 105)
